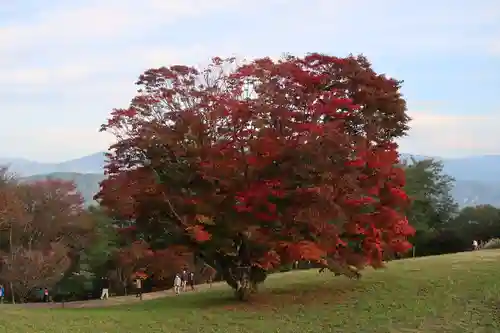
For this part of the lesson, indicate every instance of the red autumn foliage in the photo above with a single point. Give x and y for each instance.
(166, 263)
(42, 225)
(27, 269)
(199, 233)
(298, 155)
(139, 257)
(140, 275)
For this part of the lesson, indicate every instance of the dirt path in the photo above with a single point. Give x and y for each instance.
(116, 300)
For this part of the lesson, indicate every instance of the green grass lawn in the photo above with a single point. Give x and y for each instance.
(452, 293)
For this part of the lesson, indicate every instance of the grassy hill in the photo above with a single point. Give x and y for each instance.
(450, 293)
(87, 183)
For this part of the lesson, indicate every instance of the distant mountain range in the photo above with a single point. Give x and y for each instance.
(477, 177)
(475, 168)
(87, 164)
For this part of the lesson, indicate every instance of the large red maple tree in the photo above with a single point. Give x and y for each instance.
(253, 165)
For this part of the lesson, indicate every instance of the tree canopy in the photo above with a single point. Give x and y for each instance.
(42, 226)
(429, 188)
(253, 165)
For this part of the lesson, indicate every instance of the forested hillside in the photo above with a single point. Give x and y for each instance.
(87, 183)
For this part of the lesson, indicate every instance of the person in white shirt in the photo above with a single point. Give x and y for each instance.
(475, 244)
(177, 284)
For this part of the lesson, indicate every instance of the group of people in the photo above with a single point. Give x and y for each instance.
(45, 297)
(183, 280)
(105, 287)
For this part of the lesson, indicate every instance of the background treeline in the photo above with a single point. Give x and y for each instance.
(441, 226)
(48, 239)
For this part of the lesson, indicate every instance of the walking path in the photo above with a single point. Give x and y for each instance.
(116, 300)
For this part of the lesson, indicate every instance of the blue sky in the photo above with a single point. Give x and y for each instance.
(65, 64)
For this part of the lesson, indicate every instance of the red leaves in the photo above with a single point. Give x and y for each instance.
(130, 112)
(316, 59)
(165, 263)
(50, 209)
(12, 211)
(134, 254)
(307, 153)
(359, 202)
(138, 258)
(308, 250)
(398, 192)
(46, 222)
(256, 199)
(310, 127)
(199, 233)
(354, 228)
(252, 160)
(401, 246)
(269, 260)
(356, 163)
(301, 250)
(29, 268)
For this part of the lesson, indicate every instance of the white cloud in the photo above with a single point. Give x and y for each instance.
(434, 134)
(102, 20)
(90, 52)
(57, 144)
(39, 76)
(99, 36)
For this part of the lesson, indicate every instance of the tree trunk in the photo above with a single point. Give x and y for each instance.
(12, 293)
(237, 270)
(244, 280)
(342, 269)
(12, 259)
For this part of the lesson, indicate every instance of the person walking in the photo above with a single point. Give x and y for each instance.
(191, 281)
(105, 288)
(45, 294)
(177, 284)
(475, 244)
(2, 293)
(138, 287)
(184, 279)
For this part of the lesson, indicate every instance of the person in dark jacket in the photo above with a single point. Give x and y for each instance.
(45, 294)
(184, 278)
(105, 288)
(191, 280)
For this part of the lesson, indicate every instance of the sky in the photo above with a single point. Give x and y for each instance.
(64, 65)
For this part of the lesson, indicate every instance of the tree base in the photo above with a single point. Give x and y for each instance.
(247, 284)
(341, 269)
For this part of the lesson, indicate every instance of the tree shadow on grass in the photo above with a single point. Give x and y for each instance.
(189, 301)
(269, 298)
(274, 300)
